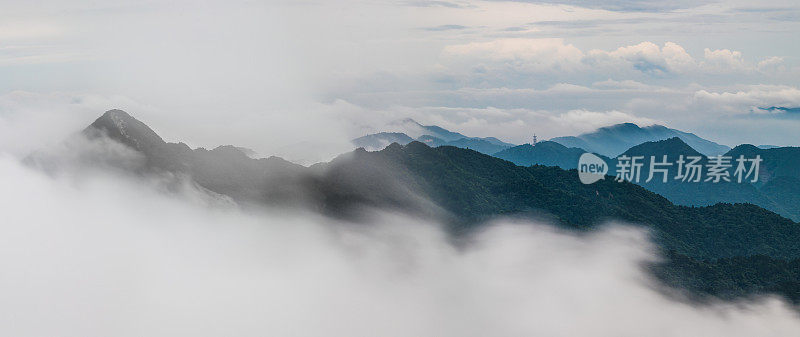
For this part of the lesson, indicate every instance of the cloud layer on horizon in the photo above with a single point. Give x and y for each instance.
(281, 75)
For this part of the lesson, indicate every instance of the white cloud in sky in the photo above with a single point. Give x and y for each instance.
(538, 55)
(624, 84)
(554, 55)
(752, 98)
(647, 57)
(723, 60)
(275, 65)
(773, 64)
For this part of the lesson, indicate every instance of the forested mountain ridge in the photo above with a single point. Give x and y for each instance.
(432, 136)
(545, 153)
(777, 187)
(469, 187)
(465, 188)
(773, 189)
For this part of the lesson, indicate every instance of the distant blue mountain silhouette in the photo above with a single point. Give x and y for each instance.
(613, 140)
(432, 136)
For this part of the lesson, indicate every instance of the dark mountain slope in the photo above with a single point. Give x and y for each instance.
(485, 146)
(475, 187)
(778, 177)
(691, 193)
(778, 162)
(545, 153)
(776, 190)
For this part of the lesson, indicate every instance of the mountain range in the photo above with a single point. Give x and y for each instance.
(613, 140)
(609, 141)
(707, 248)
(777, 189)
(431, 135)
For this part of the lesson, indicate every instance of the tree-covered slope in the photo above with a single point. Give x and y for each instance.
(776, 189)
(473, 187)
(723, 249)
(545, 153)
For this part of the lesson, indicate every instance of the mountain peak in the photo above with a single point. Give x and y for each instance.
(621, 127)
(671, 146)
(657, 126)
(116, 113)
(122, 127)
(747, 150)
(417, 146)
(414, 129)
(746, 147)
(626, 125)
(545, 153)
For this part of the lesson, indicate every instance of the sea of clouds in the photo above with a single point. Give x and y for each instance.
(100, 252)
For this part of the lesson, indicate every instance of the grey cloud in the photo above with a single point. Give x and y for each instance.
(434, 3)
(785, 109)
(649, 67)
(626, 5)
(445, 28)
(595, 23)
(778, 112)
(761, 9)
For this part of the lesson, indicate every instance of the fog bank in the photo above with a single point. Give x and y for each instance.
(106, 255)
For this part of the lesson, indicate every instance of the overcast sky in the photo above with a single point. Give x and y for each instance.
(286, 75)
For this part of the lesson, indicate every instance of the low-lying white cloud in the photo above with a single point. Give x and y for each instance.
(106, 255)
(32, 120)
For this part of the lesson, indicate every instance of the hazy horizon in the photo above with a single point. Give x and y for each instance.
(271, 75)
